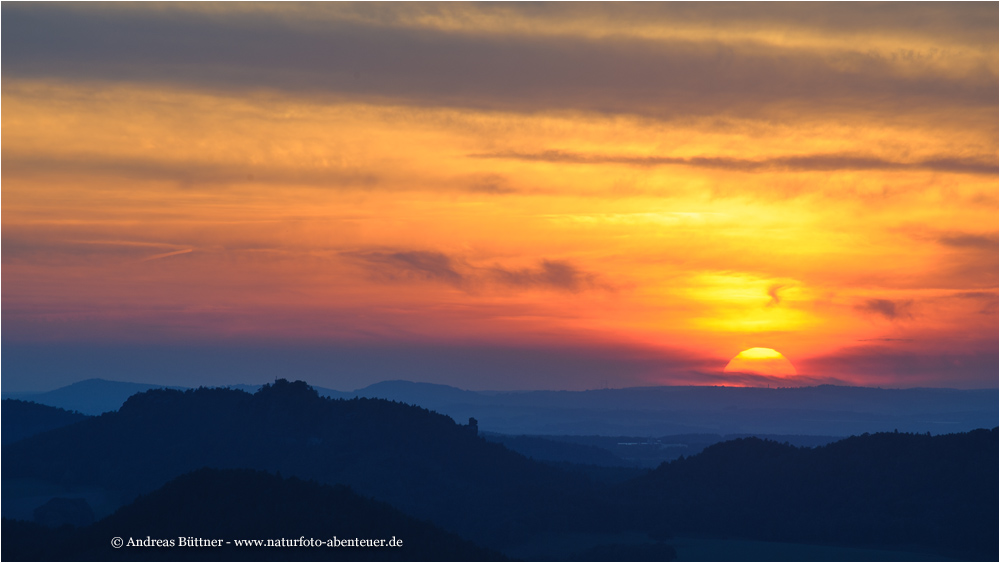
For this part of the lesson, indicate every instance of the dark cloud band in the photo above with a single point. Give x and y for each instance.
(487, 71)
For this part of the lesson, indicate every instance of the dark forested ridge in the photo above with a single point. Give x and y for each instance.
(917, 493)
(23, 418)
(243, 505)
(90, 396)
(824, 410)
(931, 492)
(419, 461)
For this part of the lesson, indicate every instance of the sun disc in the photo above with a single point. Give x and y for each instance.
(761, 361)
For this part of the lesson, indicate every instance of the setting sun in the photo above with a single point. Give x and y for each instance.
(761, 361)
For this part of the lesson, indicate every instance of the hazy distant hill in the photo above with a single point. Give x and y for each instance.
(22, 419)
(238, 505)
(419, 461)
(825, 410)
(427, 395)
(90, 396)
(632, 451)
(887, 489)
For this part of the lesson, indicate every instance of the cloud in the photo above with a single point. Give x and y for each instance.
(990, 301)
(167, 254)
(57, 245)
(891, 310)
(410, 265)
(955, 23)
(975, 295)
(550, 274)
(186, 173)
(798, 163)
(772, 291)
(739, 379)
(494, 184)
(516, 72)
(970, 241)
(438, 267)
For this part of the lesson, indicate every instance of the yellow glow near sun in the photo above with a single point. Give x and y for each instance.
(761, 361)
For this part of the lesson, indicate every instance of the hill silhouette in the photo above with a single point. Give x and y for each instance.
(243, 505)
(23, 418)
(886, 489)
(824, 410)
(96, 396)
(421, 462)
(90, 396)
(890, 491)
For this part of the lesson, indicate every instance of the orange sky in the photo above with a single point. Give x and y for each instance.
(670, 181)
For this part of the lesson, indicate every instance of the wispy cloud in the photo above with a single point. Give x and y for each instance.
(185, 173)
(411, 265)
(797, 163)
(491, 184)
(550, 274)
(888, 309)
(976, 295)
(773, 292)
(971, 241)
(738, 379)
(414, 265)
(167, 254)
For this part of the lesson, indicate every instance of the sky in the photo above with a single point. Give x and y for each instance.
(499, 196)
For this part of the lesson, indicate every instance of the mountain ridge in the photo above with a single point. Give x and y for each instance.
(664, 410)
(288, 427)
(855, 492)
(25, 418)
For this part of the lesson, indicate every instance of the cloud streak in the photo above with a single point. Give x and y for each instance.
(739, 379)
(970, 241)
(888, 309)
(798, 163)
(185, 173)
(411, 265)
(167, 254)
(550, 274)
